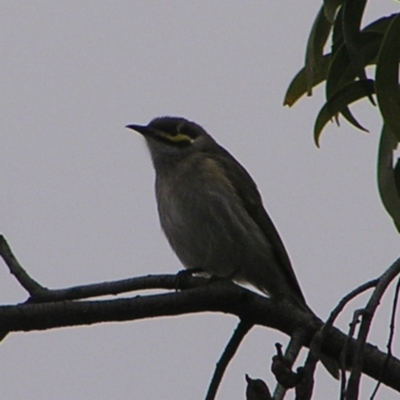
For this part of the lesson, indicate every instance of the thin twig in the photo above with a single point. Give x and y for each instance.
(384, 281)
(315, 347)
(310, 365)
(390, 340)
(15, 268)
(343, 354)
(393, 320)
(230, 350)
(148, 282)
(40, 294)
(292, 351)
(342, 303)
(29, 284)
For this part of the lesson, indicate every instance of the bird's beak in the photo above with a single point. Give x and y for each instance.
(143, 129)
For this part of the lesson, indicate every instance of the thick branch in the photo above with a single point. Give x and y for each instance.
(217, 297)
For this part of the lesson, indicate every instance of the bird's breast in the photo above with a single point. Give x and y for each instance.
(205, 221)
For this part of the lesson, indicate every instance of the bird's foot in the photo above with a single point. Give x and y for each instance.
(182, 274)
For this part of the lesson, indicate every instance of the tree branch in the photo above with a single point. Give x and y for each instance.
(390, 340)
(224, 297)
(285, 376)
(240, 332)
(367, 315)
(168, 282)
(47, 309)
(15, 268)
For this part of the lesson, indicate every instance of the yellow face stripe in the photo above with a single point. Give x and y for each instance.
(180, 137)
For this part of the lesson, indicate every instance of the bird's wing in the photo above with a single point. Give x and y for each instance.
(252, 202)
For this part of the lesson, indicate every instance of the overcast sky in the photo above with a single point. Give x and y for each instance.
(77, 201)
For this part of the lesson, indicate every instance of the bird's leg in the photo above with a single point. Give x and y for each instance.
(183, 273)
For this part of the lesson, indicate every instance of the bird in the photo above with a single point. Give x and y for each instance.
(212, 213)
(211, 210)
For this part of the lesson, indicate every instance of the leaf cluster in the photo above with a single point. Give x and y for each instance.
(343, 70)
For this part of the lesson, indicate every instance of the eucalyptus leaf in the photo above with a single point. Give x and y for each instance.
(353, 11)
(330, 8)
(339, 101)
(380, 25)
(341, 70)
(299, 85)
(387, 184)
(315, 46)
(387, 77)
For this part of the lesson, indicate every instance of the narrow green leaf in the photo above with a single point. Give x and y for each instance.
(337, 32)
(353, 11)
(339, 101)
(396, 172)
(387, 185)
(299, 85)
(315, 47)
(330, 7)
(380, 25)
(347, 114)
(387, 77)
(341, 70)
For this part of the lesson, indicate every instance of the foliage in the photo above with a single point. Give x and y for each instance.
(343, 70)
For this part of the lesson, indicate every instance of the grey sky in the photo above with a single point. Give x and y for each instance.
(77, 201)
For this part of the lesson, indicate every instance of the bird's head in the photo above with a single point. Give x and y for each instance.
(172, 138)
